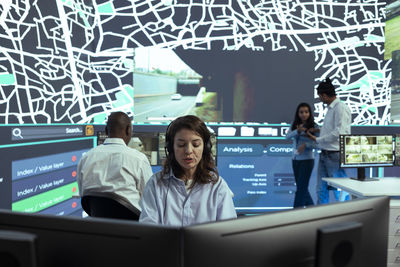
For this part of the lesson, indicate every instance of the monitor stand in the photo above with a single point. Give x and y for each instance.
(361, 176)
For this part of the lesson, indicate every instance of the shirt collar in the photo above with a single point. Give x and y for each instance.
(334, 103)
(169, 175)
(110, 141)
(172, 176)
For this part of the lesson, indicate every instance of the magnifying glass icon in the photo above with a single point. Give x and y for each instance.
(17, 133)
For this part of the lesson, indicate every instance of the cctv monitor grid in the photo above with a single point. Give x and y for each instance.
(397, 150)
(367, 149)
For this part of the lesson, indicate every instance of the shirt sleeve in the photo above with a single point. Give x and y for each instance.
(146, 173)
(148, 204)
(226, 209)
(79, 177)
(313, 144)
(342, 124)
(291, 134)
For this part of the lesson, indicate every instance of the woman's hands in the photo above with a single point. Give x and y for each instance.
(300, 128)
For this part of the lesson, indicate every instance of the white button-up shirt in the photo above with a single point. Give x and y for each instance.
(337, 121)
(114, 167)
(166, 201)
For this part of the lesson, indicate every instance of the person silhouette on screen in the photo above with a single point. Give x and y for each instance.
(337, 121)
(303, 156)
(188, 189)
(113, 167)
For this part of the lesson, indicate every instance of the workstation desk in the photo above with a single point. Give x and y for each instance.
(385, 186)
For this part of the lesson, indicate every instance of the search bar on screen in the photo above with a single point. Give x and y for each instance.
(40, 132)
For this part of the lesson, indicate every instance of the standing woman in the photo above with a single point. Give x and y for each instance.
(188, 189)
(303, 156)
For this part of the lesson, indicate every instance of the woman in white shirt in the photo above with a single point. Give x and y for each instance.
(188, 189)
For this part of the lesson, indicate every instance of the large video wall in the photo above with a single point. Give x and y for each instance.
(74, 61)
(392, 52)
(242, 66)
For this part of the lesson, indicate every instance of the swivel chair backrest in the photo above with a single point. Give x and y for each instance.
(109, 206)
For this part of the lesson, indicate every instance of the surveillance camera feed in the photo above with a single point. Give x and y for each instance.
(397, 150)
(368, 150)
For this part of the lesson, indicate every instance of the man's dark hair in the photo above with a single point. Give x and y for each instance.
(326, 87)
(117, 123)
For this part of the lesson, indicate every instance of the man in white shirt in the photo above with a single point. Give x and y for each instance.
(337, 121)
(113, 168)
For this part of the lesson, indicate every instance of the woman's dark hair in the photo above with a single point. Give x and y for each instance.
(310, 121)
(326, 87)
(206, 171)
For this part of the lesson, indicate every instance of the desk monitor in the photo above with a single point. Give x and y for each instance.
(366, 150)
(71, 241)
(287, 238)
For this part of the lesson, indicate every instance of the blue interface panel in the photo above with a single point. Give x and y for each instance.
(38, 167)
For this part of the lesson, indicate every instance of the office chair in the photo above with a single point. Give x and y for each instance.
(109, 205)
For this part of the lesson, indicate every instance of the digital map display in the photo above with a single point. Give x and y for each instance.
(73, 61)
